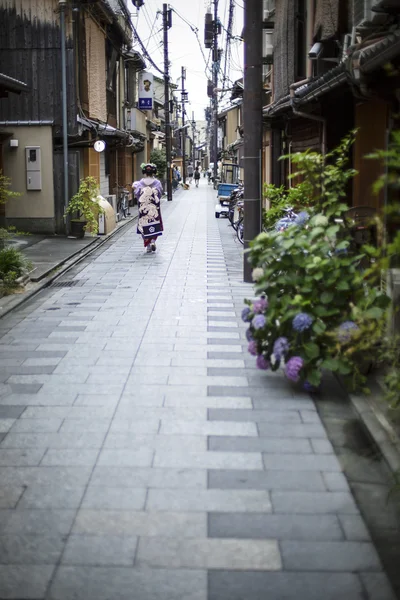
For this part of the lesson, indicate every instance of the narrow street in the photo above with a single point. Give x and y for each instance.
(144, 457)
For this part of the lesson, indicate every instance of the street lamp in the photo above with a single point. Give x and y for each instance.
(138, 3)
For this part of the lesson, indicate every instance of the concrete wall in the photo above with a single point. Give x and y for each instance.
(33, 210)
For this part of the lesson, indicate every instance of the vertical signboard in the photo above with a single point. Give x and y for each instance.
(146, 91)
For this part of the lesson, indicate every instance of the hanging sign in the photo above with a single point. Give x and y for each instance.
(99, 145)
(146, 91)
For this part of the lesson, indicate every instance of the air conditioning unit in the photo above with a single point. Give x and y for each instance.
(268, 8)
(362, 12)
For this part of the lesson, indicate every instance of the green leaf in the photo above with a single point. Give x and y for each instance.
(316, 232)
(287, 244)
(344, 368)
(314, 377)
(326, 297)
(319, 327)
(311, 349)
(343, 285)
(374, 313)
(331, 364)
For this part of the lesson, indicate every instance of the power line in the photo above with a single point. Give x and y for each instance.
(195, 31)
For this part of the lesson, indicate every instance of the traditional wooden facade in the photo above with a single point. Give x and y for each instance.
(101, 102)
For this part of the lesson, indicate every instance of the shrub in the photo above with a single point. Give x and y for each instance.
(84, 204)
(321, 311)
(159, 158)
(12, 264)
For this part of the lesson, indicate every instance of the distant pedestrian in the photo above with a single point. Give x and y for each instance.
(148, 192)
(197, 176)
(190, 172)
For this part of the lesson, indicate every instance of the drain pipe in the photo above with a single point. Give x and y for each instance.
(304, 115)
(62, 4)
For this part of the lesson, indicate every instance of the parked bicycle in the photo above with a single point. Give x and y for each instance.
(123, 203)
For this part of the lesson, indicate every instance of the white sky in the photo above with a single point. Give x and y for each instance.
(184, 48)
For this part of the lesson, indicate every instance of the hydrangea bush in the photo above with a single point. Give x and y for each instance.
(316, 309)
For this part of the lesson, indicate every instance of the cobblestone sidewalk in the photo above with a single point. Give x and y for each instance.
(144, 457)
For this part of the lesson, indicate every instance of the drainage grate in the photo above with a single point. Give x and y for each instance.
(62, 284)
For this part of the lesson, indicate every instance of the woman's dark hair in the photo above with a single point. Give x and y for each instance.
(149, 169)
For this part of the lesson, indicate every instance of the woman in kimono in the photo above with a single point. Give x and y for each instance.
(148, 192)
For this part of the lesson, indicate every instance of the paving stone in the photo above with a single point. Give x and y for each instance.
(10, 496)
(329, 556)
(209, 460)
(126, 458)
(254, 415)
(225, 585)
(256, 444)
(98, 550)
(11, 412)
(209, 554)
(208, 500)
(149, 477)
(317, 462)
(95, 583)
(207, 401)
(322, 446)
(21, 457)
(30, 549)
(24, 581)
(354, 528)
(32, 522)
(313, 502)
(182, 443)
(207, 428)
(70, 458)
(267, 526)
(6, 424)
(336, 482)
(293, 430)
(53, 440)
(36, 425)
(51, 496)
(114, 498)
(137, 523)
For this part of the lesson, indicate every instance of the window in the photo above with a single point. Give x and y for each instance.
(301, 39)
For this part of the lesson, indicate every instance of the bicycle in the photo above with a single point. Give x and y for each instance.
(122, 203)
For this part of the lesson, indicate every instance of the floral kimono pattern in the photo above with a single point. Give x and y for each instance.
(150, 225)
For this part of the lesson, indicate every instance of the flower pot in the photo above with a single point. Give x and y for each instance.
(77, 229)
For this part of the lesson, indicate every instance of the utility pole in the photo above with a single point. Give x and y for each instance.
(193, 138)
(183, 100)
(167, 22)
(215, 86)
(252, 122)
(62, 5)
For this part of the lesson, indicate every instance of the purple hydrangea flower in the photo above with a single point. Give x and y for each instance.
(302, 321)
(281, 347)
(262, 363)
(309, 387)
(259, 321)
(293, 368)
(249, 335)
(345, 331)
(302, 218)
(246, 314)
(259, 306)
(252, 348)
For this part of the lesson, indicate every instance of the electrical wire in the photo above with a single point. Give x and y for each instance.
(195, 31)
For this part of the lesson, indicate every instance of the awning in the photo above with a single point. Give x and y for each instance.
(322, 85)
(376, 55)
(9, 84)
(103, 129)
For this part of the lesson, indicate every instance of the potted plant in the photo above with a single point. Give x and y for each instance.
(85, 208)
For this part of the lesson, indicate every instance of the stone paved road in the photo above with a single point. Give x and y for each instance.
(144, 457)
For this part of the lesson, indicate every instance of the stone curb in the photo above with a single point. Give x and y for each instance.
(377, 426)
(67, 263)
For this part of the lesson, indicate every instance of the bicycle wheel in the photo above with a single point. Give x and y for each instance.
(240, 231)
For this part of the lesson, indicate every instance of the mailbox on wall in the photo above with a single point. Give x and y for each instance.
(33, 168)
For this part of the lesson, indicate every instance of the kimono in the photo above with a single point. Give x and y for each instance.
(148, 192)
